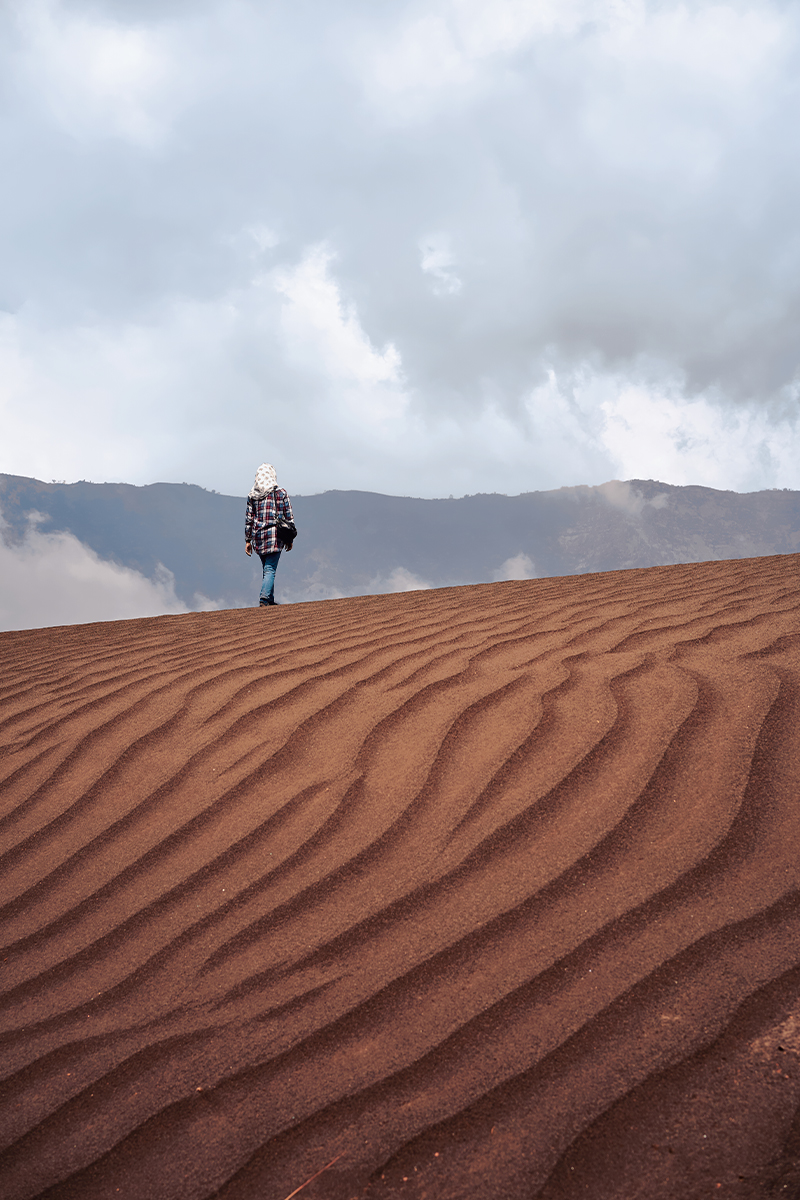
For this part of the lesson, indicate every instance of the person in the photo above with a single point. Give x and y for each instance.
(266, 504)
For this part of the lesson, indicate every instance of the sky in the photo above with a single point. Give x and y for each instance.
(54, 579)
(423, 248)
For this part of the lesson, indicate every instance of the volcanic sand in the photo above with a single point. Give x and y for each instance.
(487, 891)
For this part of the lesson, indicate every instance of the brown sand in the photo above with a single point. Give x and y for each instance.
(490, 891)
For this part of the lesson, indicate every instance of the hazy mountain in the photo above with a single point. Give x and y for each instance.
(358, 542)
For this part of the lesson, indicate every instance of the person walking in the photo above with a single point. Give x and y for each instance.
(266, 505)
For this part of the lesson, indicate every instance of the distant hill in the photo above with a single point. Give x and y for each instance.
(360, 542)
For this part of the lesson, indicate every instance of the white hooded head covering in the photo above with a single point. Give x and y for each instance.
(266, 480)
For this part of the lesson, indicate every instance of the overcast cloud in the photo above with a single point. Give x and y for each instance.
(418, 248)
(53, 579)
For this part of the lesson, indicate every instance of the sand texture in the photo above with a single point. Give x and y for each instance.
(484, 892)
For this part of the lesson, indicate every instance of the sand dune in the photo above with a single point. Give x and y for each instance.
(490, 891)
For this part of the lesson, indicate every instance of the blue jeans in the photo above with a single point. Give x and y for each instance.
(270, 564)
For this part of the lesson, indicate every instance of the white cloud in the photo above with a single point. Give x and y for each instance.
(445, 53)
(438, 261)
(624, 496)
(97, 76)
(519, 566)
(318, 586)
(109, 386)
(458, 47)
(506, 26)
(321, 331)
(694, 441)
(141, 403)
(420, 57)
(720, 45)
(53, 579)
(399, 580)
(423, 248)
(264, 237)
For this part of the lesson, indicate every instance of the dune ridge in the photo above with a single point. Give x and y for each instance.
(489, 890)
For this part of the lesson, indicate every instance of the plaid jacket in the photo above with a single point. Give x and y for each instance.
(259, 527)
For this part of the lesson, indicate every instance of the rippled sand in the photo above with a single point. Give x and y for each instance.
(488, 891)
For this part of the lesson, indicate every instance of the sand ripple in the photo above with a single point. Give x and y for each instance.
(489, 891)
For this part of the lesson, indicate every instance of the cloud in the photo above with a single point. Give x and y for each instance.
(686, 441)
(628, 499)
(437, 261)
(317, 584)
(399, 580)
(322, 333)
(96, 76)
(53, 579)
(520, 566)
(455, 246)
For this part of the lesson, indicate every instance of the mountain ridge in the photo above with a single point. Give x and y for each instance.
(355, 542)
